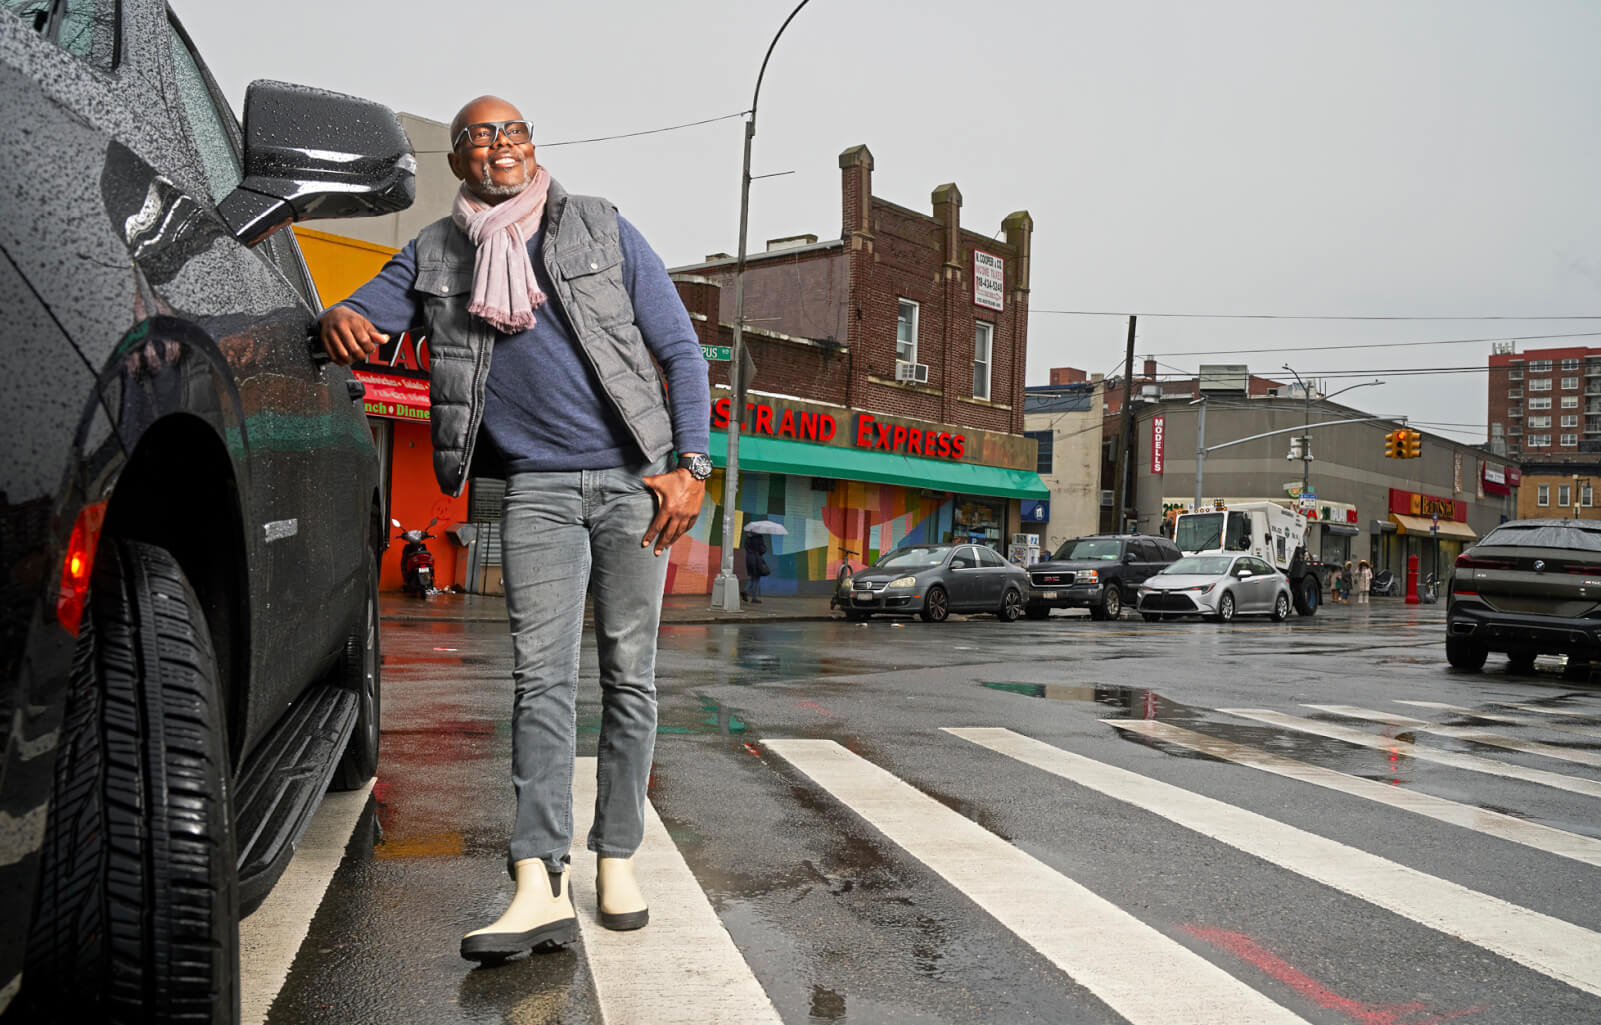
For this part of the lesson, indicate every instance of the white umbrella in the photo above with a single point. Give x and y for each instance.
(765, 527)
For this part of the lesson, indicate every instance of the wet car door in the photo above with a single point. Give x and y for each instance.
(304, 440)
(994, 572)
(963, 579)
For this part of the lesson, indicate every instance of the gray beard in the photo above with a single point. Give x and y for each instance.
(488, 187)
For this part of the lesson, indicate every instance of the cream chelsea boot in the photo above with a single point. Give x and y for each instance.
(540, 917)
(622, 906)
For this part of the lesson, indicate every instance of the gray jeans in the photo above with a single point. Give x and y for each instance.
(563, 531)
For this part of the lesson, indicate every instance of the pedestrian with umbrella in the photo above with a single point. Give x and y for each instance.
(756, 556)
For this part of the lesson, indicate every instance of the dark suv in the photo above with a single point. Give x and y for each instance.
(1101, 572)
(190, 515)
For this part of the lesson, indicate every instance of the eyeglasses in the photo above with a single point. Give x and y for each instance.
(482, 133)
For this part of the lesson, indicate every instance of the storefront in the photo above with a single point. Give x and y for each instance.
(1432, 528)
(849, 485)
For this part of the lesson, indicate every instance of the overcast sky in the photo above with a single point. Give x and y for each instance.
(1393, 158)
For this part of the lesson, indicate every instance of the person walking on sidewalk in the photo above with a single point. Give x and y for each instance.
(755, 565)
(1364, 581)
(544, 311)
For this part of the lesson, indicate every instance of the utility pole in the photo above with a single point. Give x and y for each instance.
(1126, 455)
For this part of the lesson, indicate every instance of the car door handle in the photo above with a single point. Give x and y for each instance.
(314, 346)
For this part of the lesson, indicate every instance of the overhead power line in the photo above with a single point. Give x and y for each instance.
(1381, 345)
(648, 131)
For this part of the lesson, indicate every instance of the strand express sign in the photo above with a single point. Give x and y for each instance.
(820, 428)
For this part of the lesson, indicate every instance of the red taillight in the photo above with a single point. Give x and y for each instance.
(1467, 560)
(78, 565)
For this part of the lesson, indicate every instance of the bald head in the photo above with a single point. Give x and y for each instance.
(499, 169)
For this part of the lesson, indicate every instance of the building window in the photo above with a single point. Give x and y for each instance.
(1539, 421)
(1540, 384)
(982, 337)
(1569, 440)
(1562, 496)
(1586, 495)
(1539, 366)
(1515, 374)
(1514, 393)
(1047, 442)
(1570, 383)
(1570, 420)
(1570, 402)
(906, 332)
(1544, 496)
(1539, 441)
(1540, 403)
(1570, 364)
(1497, 430)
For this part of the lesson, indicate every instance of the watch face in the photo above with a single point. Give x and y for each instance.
(698, 465)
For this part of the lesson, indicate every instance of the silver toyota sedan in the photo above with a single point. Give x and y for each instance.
(1217, 585)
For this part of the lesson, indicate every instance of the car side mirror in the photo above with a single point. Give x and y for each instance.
(313, 153)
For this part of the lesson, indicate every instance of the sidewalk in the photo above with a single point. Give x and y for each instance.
(395, 607)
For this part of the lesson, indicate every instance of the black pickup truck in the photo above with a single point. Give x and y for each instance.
(1101, 572)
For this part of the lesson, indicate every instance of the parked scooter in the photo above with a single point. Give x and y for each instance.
(416, 561)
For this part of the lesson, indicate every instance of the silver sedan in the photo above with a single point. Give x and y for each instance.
(1217, 585)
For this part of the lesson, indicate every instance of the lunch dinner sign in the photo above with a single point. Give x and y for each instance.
(989, 280)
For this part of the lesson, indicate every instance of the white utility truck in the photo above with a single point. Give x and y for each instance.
(1266, 530)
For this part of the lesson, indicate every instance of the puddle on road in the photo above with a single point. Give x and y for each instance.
(1136, 702)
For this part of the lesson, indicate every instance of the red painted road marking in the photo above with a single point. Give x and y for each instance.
(1247, 949)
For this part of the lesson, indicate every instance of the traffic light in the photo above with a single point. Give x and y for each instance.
(1392, 445)
(1412, 445)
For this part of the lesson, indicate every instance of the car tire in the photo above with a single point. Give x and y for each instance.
(360, 669)
(1011, 606)
(1037, 612)
(1577, 669)
(1281, 608)
(1307, 595)
(1520, 662)
(1225, 608)
(1464, 655)
(137, 913)
(936, 605)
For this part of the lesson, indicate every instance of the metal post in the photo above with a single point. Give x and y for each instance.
(1200, 450)
(725, 589)
(1126, 464)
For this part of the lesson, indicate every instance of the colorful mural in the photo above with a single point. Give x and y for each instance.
(854, 520)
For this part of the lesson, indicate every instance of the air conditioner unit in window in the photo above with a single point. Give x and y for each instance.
(917, 373)
(1106, 500)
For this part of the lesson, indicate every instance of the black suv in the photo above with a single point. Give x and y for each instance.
(190, 515)
(1102, 573)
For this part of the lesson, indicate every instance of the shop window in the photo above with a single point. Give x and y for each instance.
(982, 337)
(977, 520)
(1542, 495)
(906, 331)
(87, 29)
(1563, 490)
(1047, 442)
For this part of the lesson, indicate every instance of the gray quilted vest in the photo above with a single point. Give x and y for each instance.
(584, 258)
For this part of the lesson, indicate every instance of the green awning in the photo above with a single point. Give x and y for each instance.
(802, 459)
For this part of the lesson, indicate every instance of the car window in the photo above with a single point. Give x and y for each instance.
(990, 557)
(1200, 566)
(1105, 549)
(207, 125)
(1258, 566)
(915, 556)
(281, 249)
(1239, 533)
(1198, 532)
(1546, 535)
(1145, 551)
(87, 29)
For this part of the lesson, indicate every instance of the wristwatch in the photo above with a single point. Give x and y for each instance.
(699, 464)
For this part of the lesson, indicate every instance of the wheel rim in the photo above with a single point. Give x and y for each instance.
(937, 608)
(1011, 605)
(1114, 603)
(1282, 607)
(1225, 608)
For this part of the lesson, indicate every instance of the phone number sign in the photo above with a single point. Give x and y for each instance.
(989, 280)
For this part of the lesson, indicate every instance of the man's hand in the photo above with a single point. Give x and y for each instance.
(678, 498)
(348, 336)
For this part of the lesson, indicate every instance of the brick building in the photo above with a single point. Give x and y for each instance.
(1545, 404)
(887, 405)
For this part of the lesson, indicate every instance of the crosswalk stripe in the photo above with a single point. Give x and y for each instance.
(681, 968)
(1546, 710)
(1480, 820)
(1550, 946)
(1471, 734)
(1514, 720)
(1088, 937)
(1455, 759)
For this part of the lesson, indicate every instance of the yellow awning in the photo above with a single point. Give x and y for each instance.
(1420, 525)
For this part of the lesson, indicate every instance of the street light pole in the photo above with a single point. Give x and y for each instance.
(1306, 424)
(725, 590)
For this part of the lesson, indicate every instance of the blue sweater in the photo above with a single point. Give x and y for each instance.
(543, 407)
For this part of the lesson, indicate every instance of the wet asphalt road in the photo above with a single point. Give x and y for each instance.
(839, 923)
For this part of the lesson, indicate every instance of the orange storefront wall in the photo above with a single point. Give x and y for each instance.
(415, 499)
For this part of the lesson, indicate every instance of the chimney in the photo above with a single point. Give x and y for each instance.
(948, 212)
(1067, 375)
(1019, 228)
(1150, 369)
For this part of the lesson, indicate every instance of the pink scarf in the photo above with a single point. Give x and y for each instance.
(505, 293)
